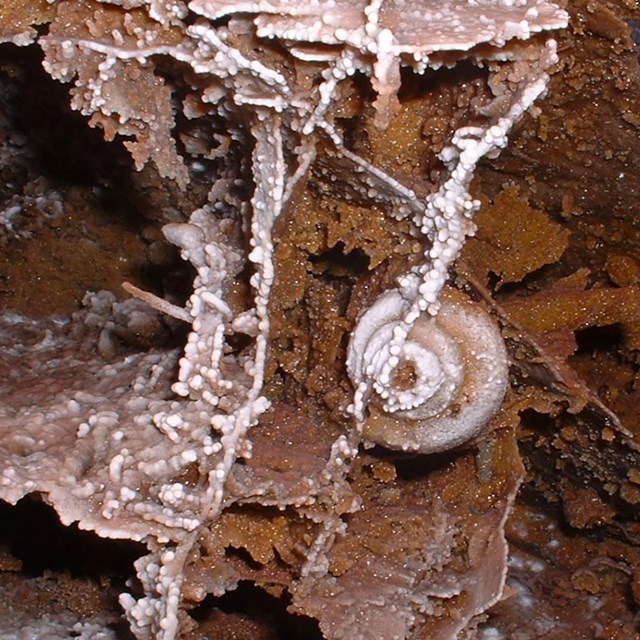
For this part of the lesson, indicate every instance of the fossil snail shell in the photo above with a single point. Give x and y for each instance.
(443, 383)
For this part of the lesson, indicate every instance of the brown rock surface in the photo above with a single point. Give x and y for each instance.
(555, 258)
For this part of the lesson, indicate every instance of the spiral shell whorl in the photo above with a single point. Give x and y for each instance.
(431, 386)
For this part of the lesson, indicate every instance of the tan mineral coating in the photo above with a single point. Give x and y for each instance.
(578, 516)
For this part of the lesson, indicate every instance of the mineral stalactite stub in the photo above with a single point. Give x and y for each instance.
(188, 449)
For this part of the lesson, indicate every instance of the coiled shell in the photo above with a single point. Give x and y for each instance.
(437, 388)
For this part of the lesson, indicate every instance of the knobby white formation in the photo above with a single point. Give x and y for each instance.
(446, 220)
(377, 36)
(226, 45)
